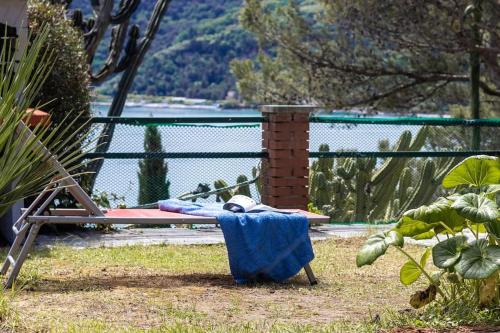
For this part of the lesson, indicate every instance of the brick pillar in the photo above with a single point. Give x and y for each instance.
(285, 172)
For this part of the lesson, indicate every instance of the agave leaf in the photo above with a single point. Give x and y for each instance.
(476, 171)
(376, 245)
(479, 261)
(476, 208)
(24, 162)
(446, 253)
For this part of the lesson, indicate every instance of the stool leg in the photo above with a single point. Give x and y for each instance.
(310, 275)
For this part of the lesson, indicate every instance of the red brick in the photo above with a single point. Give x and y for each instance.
(288, 201)
(283, 135)
(280, 153)
(280, 117)
(287, 181)
(300, 117)
(287, 191)
(288, 127)
(288, 144)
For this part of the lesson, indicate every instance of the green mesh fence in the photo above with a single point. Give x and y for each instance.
(196, 151)
(374, 167)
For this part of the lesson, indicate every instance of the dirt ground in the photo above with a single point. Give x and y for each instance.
(145, 287)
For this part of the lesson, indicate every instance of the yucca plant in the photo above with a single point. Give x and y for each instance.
(25, 166)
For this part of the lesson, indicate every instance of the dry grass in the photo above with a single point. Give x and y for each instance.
(189, 288)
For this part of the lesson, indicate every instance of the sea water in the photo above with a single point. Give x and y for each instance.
(120, 176)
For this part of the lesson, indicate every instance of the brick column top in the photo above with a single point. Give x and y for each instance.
(285, 170)
(287, 108)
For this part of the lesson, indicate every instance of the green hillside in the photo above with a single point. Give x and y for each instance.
(191, 53)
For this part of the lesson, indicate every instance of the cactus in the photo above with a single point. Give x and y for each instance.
(404, 184)
(355, 190)
(422, 187)
(226, 195)
(242, 189)
(365, 168)
(258, 183)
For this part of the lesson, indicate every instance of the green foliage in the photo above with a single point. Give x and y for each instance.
(458, 259)
(66, 88)
(376, 245)
(365, 53)
(153, 183)
(191, 52)
(24, 161)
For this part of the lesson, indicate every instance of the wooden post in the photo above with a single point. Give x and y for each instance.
(285, 170)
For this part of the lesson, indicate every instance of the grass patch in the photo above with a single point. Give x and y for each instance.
(168, 288)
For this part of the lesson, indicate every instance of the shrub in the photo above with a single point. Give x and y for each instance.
(466, 270)
(67, 86)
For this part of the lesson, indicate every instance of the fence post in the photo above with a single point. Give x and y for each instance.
(285, 170)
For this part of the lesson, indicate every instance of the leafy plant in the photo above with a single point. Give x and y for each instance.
(25, 166)
(466, 225)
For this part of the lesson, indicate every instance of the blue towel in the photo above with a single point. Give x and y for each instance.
(261, 246)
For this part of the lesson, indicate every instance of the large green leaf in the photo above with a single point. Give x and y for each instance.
(493, 228)
(409, 227)
(410, 272)
(476, 208)
(376, 245)
(475, 170)
(433, 215)
(446, 253)
(479, 261)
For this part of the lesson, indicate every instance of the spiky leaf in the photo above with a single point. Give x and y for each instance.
(476, 208)
(479, 261)
(477, 171)
(376, 245)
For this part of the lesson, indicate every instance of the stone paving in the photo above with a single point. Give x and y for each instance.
(207, 235)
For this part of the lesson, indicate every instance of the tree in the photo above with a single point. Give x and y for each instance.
(153, 183)
(369, 53)
(124, 55)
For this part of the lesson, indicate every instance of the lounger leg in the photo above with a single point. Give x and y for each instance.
(18, 263)
(21, 227)
(310, 275)
(14, 249)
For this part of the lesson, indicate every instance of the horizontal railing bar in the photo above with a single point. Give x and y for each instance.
(382, 154)
(145, 155)
(340, 154)
(490, 122)
(177, 120)
(494, 122)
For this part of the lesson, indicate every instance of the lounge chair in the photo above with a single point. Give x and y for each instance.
(26, 228)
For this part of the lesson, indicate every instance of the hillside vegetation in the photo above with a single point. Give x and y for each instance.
(191, 53)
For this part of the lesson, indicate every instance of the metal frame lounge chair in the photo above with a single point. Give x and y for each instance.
(26, 228)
